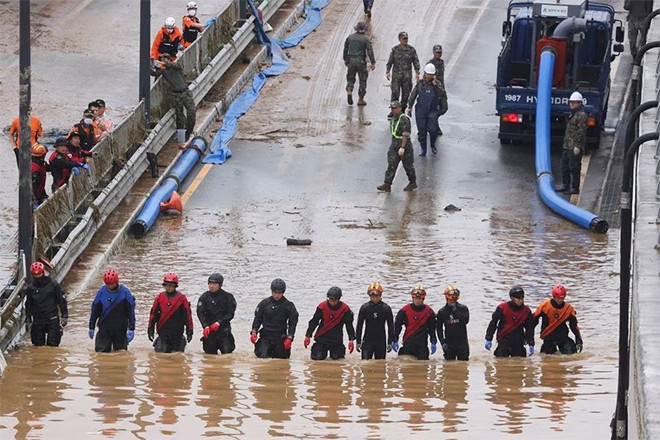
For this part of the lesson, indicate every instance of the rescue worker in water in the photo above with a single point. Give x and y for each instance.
(43, 299)
(330, 317)
(169, 314)
(419, 320)
(375, 313)
(215, 310)
(554, 314)
(452, 323)
(113, 309)
(514, 323)
(275, 320)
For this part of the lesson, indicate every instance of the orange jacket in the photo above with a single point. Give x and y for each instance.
(15, 131)
(190, 31)
(166, 43)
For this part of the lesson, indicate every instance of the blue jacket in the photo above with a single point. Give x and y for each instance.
(113, 310)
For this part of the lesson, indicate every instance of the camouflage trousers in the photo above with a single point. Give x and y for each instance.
(179, 101)
(401, 88)
(393, 160)
(357, 66)
(635, 26)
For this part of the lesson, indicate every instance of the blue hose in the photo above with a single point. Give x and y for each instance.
(171, 183)
(544, 177)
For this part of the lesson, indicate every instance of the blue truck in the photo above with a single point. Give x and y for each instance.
(585, 37)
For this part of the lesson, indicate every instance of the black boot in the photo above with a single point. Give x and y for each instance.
(153, 164)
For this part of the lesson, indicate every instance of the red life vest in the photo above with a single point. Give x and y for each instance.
(59, 174)
(331, 318)
(168, 306)
(512, 319)
(416, 320)
(40, 169)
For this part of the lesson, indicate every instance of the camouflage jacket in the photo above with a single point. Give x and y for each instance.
(401, 59)
(358, 45)
(576, 130)
(439, 64)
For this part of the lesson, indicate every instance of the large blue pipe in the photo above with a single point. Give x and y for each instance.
(171, 183)
(544, 177)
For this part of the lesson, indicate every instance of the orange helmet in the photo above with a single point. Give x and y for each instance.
(559, 291)
(37, 268)
(39, 150)
(418, 290)
(374, 287)
(452, 292)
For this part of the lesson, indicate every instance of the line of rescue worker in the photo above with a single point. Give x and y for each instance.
(170, 325)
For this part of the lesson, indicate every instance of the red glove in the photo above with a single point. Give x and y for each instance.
(307, 341)
(254, 337)
(207, 332)
(215, 326)
(351, 346)
(287, 343)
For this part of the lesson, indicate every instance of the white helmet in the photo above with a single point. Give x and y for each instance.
(169, 22)
(430, 69)
(191, 5)
(575, 96)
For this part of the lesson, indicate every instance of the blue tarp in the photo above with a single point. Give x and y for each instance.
(220, 152)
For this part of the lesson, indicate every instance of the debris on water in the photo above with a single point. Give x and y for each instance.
(291, 212)
(452, 208)
(355, 225)
(298, 242)
(307, 77)
(299, 145)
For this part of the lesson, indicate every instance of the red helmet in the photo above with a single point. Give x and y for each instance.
(171, 277)
(37, 268)
(559, 291)
(110, 277)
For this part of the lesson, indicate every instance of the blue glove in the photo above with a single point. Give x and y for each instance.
(488, 345)
(434, 348)
(180, 46)
(85, 167)
(90, 332)
(75, 171)
(130, 334)
(210, 22)
(531, 350)
(395, 346)
(445, 347)
(35, 206)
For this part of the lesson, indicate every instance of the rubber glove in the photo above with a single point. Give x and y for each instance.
(130, 334)
(358, 347)
(214, 327)
(85, 167)
(307, 341)
(488, 345)
(351, 346)
(434, 348)
(150, 333)
(35, 206)
(531, 350)
(207, 332)
(389, 348)
(64, 322)
(75, 171)
(445, 347)
(90, 332)
(210, 22)
(287, 343)
(395, 346)
(579, 345)
(254, 337)
(189, 335)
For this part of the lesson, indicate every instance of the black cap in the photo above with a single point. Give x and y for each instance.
(437, 48)
(403, 35)
(100, 102)
(61, 141)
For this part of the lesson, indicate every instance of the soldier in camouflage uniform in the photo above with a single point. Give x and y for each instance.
(638, 10)
(401, 150)
(181, 95)
(439, 64)
(402, 58)
(574, 144)
(356, 49)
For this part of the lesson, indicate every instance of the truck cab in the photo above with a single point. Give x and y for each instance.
(583, 35)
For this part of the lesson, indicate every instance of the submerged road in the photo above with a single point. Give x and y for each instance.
(306, 165)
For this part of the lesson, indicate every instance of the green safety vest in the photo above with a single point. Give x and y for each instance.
(396, 127)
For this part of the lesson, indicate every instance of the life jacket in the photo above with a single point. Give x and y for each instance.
(87, 138)
(40, 169)
(60, 174)
(556, 317)
(168, 45)
(416, 320)
(331, 318)
(512, 319)
(168, 306)
(190, 33)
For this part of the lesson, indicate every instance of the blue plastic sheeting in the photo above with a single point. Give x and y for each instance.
(546, 183)
(312, 21)
(171, 183)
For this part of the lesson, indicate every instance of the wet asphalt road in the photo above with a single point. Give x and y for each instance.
(306, 165)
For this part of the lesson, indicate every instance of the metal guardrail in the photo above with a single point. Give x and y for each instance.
(71, 216)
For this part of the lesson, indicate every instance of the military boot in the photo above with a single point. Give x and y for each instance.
(361, 101)
(349, 96)
(384, 187)
(410, 186)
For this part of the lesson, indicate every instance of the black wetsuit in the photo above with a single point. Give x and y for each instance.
(277, 321)
(217, 307)
(452, 330)
(420, 326)
(375, 341)
(170, 314)
(44, 298)
(515, 326)
(330, 335)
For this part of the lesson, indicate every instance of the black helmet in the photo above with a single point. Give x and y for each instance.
(334, 292)
(216, 277)
(361, 27)
(516, 292)
(278, 285)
